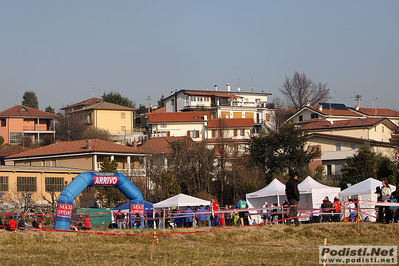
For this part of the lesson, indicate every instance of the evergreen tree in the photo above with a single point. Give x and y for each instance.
(116, 98)
(161, 102)
(30, 100)
(49, 109)
(280, 151)
(361, 166)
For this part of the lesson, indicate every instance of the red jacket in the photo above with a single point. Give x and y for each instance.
(12, 224)
(215, 208)
(87, 223)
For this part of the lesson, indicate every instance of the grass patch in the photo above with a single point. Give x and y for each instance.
(240, 246)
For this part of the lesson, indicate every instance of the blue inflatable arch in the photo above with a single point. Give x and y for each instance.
(92, 179)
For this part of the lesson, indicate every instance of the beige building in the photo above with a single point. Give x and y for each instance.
(39, 181)
(341, 139)
(117, 119)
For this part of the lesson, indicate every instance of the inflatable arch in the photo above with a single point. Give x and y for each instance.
(92, 179)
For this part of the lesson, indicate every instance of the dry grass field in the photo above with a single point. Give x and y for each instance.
(237, 246)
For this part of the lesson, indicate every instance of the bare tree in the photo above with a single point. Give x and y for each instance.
(300, 89)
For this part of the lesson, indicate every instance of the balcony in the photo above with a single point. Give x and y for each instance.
(38, 128)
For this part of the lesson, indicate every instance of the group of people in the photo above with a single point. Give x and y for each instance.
(387, 214)
(14, 222)
(211, 216)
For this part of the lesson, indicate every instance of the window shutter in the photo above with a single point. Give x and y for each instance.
(235, 132)
(188, 133)
(213, 133)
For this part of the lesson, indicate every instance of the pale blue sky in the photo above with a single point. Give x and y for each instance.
(60, 49)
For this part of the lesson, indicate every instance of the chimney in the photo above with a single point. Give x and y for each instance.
(171, 92)
(228, 87)
(357, 107)
(88, 144)
(320, 107)
(307, 103)
(215, 87)
(205, 117)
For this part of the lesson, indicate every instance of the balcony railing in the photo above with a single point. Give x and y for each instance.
(38, 128)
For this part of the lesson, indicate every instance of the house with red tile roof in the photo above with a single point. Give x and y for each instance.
(178, 124)
(340, 139)
(22, 121)
(327, 111)
(377, 112)
(82, 154)
(224, 104)
(118, 120)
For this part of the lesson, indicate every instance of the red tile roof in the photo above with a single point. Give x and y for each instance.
(377, 112)
(77, 146)
(87, 102)
(25, 111)
(197, 116)
(324, 124)
(160, 145)
(231, 123)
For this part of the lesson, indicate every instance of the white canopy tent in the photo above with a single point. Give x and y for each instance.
(272, 193)
(312, 193)
(181, 200)
(364, 191)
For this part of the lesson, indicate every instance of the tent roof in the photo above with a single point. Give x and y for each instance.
(309, 183)
(364, 187)
(274, 188)
(181, 200)
(147, 206)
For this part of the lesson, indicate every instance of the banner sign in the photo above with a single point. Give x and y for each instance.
(105, 180)
(64, 210)
(137, 208)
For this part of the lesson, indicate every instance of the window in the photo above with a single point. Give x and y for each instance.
(313, 116)
(172, 102)
(337, 146)
(26, 184)
(15, 138)
(300, 118)
(353, 146)
(55, 184)
(164, 125)
(3, 122)
(267, 117)
(123, 128)
(3, 183)
(193, 133)
(382, 129)
(329, 169)
(241, 132)
(123, 115)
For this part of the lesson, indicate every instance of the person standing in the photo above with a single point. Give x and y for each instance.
(265, 216)
(189, 213)
(242, 204)
(201, 216)
(327, 208)
(385, 197)
(228, 216)
(292, 193)
(120, 220)
(215, 213)
(87, 223)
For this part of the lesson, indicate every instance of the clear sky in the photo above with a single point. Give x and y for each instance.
(69, 51)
